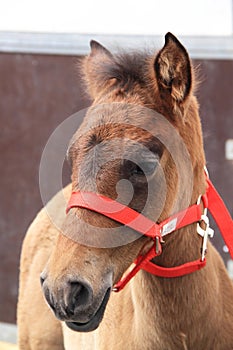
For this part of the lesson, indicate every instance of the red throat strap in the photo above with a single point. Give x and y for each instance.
(129, 217)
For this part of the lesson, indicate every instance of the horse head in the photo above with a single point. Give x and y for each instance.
(124, 150)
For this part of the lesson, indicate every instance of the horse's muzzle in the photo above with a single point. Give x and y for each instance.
(74, 303)
(94, 322)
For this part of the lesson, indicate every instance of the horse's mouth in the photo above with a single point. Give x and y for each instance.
(94, 322)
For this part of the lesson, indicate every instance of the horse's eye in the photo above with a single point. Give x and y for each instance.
(144, 168)
(137, 170)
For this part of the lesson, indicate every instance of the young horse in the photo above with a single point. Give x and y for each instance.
(192, 312)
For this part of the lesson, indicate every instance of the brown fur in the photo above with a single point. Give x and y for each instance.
(191, 312)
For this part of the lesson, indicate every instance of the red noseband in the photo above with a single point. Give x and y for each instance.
(129, 217)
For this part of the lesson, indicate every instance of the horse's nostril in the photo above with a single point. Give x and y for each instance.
(66, 298)
(42, 279)
(80, 294)
(48, 296)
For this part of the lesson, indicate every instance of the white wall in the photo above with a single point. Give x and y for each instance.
(155, 17)
(66, 26)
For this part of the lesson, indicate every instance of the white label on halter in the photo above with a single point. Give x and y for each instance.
(169, 227)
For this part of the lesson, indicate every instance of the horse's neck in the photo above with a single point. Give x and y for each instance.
(173, 305)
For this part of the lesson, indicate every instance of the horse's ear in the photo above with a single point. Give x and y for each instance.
(95, 66)
(174, 73)
(98, 48)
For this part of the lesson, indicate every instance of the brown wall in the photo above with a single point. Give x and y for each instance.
(37, 93)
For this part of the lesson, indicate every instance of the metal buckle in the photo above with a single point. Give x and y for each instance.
(207, 231)
(204, 233)
(158, 245)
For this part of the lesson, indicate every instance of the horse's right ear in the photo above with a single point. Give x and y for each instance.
(173, 74)
(95, 66)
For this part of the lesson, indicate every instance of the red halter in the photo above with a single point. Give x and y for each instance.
(129, 217)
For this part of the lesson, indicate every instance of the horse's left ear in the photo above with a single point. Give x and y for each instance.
(174, 73)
